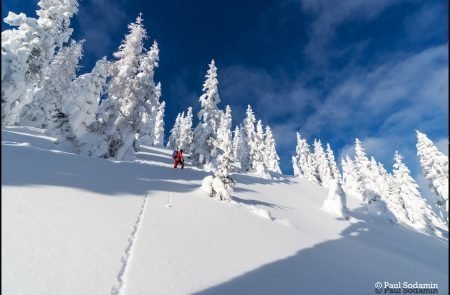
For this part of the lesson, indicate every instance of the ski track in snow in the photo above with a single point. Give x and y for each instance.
(128, 253)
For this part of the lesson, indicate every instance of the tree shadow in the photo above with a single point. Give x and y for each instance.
(45, 167)
(252, 202)
(364, 254)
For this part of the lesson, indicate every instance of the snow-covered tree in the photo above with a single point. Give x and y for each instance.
(80, 108)
(174, 138)
(350, 179)
(186, 133)
(247, 135)
(321, 164)
(406, 188)
(131, 94)
(435, 168)
(336, 202)
(334, 171)
(223, 132)
(271, 157)
(237, 141)
(209, 116)
(258, 164)
(221, 185)
(303, 161)
(159, 125)
(52, 91)
(362, 170)
(28, 50)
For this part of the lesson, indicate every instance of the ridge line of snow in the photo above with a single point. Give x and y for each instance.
(128, 253)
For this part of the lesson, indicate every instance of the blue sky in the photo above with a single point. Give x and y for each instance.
(333, 70)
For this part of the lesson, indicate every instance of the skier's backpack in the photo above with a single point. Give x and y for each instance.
(174, 154)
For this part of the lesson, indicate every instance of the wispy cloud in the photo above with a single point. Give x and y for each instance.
(99, 22)
(329, 15)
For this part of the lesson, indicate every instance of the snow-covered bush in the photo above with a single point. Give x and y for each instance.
(336, 202)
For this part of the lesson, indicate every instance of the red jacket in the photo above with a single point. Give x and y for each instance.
(180, 155)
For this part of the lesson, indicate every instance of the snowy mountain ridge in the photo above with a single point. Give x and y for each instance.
(80, 225)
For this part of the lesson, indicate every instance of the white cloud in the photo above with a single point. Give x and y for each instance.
(330, 14)
(99, 21)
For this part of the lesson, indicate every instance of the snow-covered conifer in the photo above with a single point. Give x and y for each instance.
(186, 133)
(259, 165)
(247, 148)
(418, 212)
(237, 141)
(350, 178)
(435, 168)
(159, 125)
(303, 161)
(334, 171)
(174, 138)
(321, 164)
(271, 157)
(80, 108)
(209, 115)
(28, 50)
(221, 185)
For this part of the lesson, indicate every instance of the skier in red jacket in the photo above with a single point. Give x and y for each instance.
(179, 159)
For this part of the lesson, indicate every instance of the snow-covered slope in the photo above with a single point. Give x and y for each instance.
(79, 225)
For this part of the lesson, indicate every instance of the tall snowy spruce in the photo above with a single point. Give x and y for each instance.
(132, 98)
(418, 213)
(302, 161)
(247, 136)
(435, 168)
(367, 185)
(237, 141)
(175, 133)
(56, 91)
(28, 50)
(221, 185)
(186, 134)
(81, 107)
(334, 171)
(159, 125)
(271, 156)
(258, 164)
(322, 167)
(209, 115)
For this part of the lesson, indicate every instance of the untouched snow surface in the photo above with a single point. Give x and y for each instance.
(79, 225)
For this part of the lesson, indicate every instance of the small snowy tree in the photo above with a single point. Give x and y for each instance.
(303, 161)
(271, 157)
(221, 185)
(336, 202)
(258, 164)
(323, 172)
(334, 171)
(209, 116)
(247, 134)
(418, 212)
(174, 138)
(28, 50)
(350, 179)
(186, 132)
(435, 168)
(159, 125)
(237, 141)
